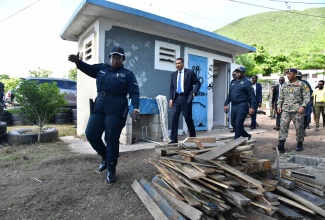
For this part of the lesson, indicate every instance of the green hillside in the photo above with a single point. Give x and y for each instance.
(281, 32)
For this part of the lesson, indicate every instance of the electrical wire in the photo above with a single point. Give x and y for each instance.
(19, 11)
(313, 3)
(293, 12)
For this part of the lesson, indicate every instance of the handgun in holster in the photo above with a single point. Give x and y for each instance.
(91, 105)
(127, 109)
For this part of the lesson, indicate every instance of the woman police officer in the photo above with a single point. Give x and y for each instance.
(113, 83)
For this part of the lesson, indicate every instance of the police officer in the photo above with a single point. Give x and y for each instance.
(243, 101)
(293, 100)
(113, 82)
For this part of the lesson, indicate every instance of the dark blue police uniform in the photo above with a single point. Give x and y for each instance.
(242, 97)
(113, 85)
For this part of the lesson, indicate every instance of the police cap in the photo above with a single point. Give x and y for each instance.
(241, 69)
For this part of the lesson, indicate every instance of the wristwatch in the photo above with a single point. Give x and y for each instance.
(137, 110)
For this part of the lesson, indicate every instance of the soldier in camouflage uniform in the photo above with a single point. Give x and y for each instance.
(292, 102)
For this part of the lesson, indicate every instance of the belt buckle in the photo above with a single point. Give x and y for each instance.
(102, 93)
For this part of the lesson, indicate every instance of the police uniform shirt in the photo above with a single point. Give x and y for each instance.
(119, 82)
(240, 92)
(293, 95)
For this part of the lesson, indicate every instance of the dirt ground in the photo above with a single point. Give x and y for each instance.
(48, 181)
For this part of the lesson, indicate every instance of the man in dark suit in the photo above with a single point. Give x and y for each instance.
(275, 98)
(258, 94)
(181, 95)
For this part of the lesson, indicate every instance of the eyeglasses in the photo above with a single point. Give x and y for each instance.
(320, 84)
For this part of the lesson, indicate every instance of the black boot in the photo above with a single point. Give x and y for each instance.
(111, 171)
(299, 146)
(102, 166)
(280, 147)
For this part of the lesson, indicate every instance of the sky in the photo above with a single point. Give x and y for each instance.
(30, 29)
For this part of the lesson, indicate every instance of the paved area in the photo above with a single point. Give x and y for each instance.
(82, 146)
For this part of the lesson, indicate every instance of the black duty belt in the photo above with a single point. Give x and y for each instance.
(104, 93)
(237, 103)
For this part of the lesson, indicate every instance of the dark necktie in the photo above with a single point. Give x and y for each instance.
(179, 83)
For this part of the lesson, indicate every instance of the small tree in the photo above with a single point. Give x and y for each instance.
(39, 102)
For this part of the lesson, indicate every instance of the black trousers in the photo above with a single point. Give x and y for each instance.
(181, 105)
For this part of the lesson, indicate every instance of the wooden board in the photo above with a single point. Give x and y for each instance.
(216, 152)
(184, 208)
(295, 204)
(152, 207)
(318, 201)
(289, 213)
(240, 175)
(169, 211)
(191, 172)
(201, 139)
(237, 197)
(257, 166)
(301, 200)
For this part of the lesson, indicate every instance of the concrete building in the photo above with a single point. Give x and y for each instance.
(152, 44)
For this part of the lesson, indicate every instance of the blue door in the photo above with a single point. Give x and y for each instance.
(200, 109)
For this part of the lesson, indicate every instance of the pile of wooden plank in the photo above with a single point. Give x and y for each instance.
(211, 178)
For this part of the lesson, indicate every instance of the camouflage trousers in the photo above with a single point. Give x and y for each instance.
(298, 121)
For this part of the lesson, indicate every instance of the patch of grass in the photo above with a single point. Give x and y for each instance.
(64, 130)
(30, 155)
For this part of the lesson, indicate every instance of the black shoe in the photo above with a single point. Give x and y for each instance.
(233, 130)
(276, 128)
(102, 166)
(111, 171)
(249, 136)
(281, 150)
(252, 127)
(173, 142)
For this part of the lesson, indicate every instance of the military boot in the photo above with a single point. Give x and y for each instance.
(299, 146)
(280, 147)
(111, 171)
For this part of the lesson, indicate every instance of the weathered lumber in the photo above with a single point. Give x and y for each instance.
(182, 161)
(264, 206)
(301, 200)
(318, 201)
(181, 187)
(237, 197)
(216, 152)
(203, 169)
(207, 146)
(239, 174)
(296, 204)
(257, 166)
(169, 211)
(218, 183)
(199, 188)
(198, 144)
(187, 210)
(270, 197)
(152, 207)
(217, 177)
(163, 186)
(289, 172)
(201, 139)
(289, 213)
